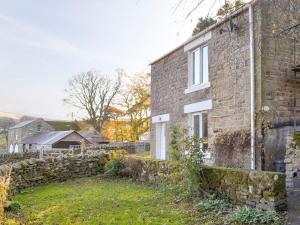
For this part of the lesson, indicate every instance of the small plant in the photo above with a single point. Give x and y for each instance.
(218, 202)
(254, 216)
(177, 143)
(113, 167)
(13, 207)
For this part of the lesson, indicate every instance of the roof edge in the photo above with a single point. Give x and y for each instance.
(225, 19)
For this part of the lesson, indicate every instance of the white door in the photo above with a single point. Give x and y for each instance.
(160, 141)
(11, 148)
(16, 148)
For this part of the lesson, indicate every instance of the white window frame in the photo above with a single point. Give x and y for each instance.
(191, 86)
(207, 155)
(200, 114)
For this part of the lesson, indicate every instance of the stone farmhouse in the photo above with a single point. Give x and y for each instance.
(237, 75)
(34, 135)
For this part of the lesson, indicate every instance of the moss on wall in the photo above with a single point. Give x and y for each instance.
(259, 188)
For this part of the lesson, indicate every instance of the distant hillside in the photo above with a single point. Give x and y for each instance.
(8, 120)
(10, 115)
(64, 125)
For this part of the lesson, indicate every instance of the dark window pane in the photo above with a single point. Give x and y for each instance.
(197, 125)
(204, 125)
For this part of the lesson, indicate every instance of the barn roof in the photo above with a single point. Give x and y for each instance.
(22, 124)
(93, 136)
(48, 138)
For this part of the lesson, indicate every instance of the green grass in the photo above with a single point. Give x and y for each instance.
(99, 201)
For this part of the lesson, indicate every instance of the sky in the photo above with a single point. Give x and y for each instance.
(44, 43)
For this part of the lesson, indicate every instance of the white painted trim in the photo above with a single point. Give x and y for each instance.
(197, 42)
(198, 106)
(161, 118)
(198, 87)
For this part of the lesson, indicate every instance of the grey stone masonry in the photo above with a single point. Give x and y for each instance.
(17, 134)
(229, 77)
(292, 164)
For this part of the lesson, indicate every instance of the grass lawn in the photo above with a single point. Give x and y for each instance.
(99, 201)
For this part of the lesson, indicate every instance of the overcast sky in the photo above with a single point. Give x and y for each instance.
(43, 43)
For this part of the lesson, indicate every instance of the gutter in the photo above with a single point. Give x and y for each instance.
(252, 87)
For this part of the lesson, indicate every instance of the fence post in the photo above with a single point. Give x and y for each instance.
(41, 153)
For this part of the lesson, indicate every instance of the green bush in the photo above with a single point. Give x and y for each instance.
(113, 167)
(218, 202)
(209, 205)
(254, 216)
(13, 207)
(296, 139)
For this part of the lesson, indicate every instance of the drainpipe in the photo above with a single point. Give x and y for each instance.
(252, 83)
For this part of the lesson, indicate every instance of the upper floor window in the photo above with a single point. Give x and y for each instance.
(200, 65)
(39, 127)
(198, 73)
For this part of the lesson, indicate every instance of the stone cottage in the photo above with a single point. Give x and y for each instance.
(23, 130)
(34, 135)
(237, 75)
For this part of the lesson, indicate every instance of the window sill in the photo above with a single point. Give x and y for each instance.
(196, 88)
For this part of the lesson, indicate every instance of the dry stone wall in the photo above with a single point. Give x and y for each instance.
(15, 157)
(265, 190)
(33, 172)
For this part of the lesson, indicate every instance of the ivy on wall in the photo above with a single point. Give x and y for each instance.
(231, 140)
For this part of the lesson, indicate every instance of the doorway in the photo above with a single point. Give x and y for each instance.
(161, 141)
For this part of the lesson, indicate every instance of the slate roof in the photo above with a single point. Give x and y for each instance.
(93, 136)
(47, 138)
(22, 124)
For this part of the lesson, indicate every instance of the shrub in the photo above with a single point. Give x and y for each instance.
(13, 207)
(296, 139)
(177, 143)
(254, 216)
(113, 167)
(218, 202)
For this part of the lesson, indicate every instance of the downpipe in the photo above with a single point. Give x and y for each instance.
(252, 88)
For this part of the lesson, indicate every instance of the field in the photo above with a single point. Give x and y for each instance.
(98, 201)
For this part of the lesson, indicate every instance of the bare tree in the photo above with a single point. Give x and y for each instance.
(94, 94)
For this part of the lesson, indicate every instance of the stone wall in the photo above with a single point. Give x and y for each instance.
(264, 190)
(292, 164)
(32, 172)
(15, 157)
(17, 176)
(130, 147)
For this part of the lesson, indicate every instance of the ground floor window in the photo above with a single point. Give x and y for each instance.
(200, 128)
(200, 124)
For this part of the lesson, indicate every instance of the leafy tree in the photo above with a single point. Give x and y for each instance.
(136, 102)
(202, 24)
(229, 7)
(93, 93)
